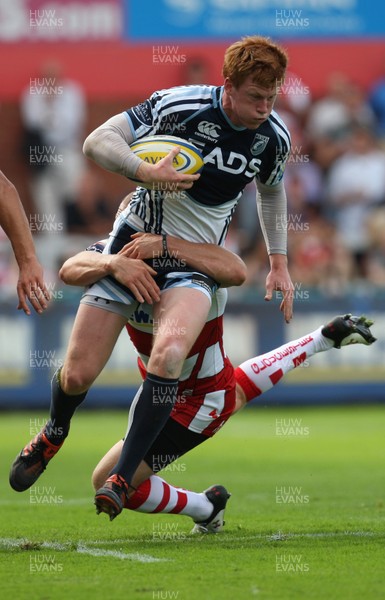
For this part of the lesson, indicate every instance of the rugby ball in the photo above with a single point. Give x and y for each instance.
(153, 148)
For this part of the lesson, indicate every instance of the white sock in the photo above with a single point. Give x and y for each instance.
(155, 495)
(261, 373)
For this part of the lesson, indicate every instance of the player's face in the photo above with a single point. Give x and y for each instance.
(248, 105)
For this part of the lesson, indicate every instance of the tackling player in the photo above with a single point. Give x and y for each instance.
(200, 417)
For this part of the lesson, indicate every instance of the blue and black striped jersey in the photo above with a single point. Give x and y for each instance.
(233, 155)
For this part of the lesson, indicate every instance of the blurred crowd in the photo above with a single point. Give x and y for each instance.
(335, 183)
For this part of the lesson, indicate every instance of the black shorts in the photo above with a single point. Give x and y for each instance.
(173, 441)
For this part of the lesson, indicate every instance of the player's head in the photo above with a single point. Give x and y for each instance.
(257, 58)
(253, 70)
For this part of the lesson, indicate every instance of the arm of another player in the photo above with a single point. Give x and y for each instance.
(87, 267)
(272, 211)
(220, 264)
(109, 147)
(13, 220)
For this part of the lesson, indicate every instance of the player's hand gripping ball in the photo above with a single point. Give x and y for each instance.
(153, 148)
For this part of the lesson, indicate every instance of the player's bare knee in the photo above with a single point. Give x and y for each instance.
(75, 381)
(240, 399)
(167, 359)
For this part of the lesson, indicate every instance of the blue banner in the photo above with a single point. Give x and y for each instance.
(227, 19)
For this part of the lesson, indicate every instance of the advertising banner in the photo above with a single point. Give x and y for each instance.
(216, 19)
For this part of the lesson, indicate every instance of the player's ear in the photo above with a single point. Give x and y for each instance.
(228, 86)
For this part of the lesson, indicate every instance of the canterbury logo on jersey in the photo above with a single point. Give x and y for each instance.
(209, 129)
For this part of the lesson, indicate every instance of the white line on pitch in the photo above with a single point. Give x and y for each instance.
(222, 537)
(25, 544)
(144, 558)
(9, 543)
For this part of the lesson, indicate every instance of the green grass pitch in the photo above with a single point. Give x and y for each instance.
(305, 520)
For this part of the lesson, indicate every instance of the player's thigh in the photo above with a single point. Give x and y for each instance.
(180, 315)
(92, 340)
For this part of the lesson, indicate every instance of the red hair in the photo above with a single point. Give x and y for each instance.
(256, 56)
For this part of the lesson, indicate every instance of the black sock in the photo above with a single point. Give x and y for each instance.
(149, 416)
(62, 409)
